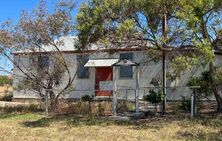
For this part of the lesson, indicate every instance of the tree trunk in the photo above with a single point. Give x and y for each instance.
(53, 102)
(46, 102)
(214, 87)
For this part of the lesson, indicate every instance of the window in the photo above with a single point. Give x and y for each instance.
(83, 72)
(43, 62)
(126, 71)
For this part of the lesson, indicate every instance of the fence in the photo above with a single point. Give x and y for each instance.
(127, 97)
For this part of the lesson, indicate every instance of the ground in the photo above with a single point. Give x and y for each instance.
(5, 90)
(34, 126)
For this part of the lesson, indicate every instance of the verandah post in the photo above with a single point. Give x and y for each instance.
(137, 90)
(114, 102)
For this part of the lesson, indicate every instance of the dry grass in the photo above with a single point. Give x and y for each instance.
(5, 90)
(34, 127)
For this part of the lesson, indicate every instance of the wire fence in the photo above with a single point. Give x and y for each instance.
(129, 94)
(179, 98)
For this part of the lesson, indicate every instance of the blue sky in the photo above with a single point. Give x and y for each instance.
(11, 9)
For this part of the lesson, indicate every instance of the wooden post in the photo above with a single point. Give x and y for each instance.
(126, 94)
(193, 104)
(114, 92)
(137, 91)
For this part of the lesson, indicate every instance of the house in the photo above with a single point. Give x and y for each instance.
(95, 75)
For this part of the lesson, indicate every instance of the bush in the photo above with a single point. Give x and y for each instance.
(34, 108)
(9, 109)
(21, 108)
(154, 97)
(186, 104)
(7, 97)
(86, 98)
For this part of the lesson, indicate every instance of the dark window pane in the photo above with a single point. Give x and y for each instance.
(128, 56)
(83, 72)
(126, 71)
(43, 62)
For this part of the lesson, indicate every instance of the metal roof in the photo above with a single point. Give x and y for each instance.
(101, 62)
(126, 62)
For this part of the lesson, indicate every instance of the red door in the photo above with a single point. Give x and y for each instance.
(103, 74)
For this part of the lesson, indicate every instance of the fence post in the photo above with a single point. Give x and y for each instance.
(193, 104)
(126, 94)
(114, 92)
(89, 90)
(137, 91)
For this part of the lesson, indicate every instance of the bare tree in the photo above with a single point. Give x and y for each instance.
(40, 38)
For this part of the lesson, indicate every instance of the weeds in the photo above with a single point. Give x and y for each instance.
(69, 127)
(21, 108)
(7, 97)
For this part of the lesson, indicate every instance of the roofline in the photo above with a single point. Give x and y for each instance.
(84, 51)
(98, 50)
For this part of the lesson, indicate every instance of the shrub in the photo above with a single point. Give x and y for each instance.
(21, 108)
(154, 97)
(34, 108)
(101, 109)
(186, 104)
(7, 97)
(9, 109)
(86, 98)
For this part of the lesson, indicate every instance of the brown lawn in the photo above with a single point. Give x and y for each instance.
(32, 127)
(5, 90)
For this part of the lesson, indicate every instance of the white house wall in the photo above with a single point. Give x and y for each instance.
(23, 62)
(148, 71)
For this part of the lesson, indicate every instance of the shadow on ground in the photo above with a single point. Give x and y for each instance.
(75, 121)
(153, 122)
(43, 122)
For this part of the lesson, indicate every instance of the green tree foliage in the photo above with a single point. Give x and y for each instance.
(203, 18)
(192, 34)
(118, 21)
(204, 82)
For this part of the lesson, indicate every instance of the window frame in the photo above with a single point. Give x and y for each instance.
(121, 67)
